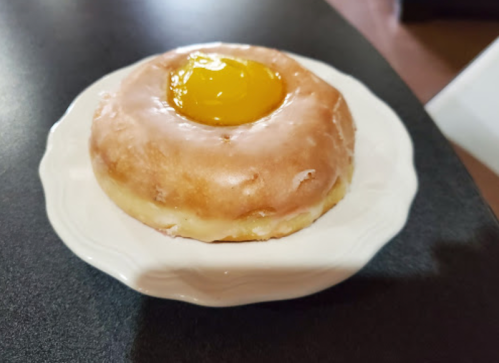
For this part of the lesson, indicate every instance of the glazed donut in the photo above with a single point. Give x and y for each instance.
(248, 177)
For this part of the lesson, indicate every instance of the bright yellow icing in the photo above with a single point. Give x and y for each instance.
(223, 91)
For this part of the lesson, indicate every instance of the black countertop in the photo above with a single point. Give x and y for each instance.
(431, 295)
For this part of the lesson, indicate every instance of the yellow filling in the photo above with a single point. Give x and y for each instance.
(219, 90)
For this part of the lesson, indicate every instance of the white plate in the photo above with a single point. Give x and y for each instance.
(335, 247)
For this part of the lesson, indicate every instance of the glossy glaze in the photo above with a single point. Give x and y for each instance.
(222, 174)
(224, 91)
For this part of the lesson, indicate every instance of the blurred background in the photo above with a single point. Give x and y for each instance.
(447, 51)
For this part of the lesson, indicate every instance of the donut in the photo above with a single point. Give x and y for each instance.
(223, 142)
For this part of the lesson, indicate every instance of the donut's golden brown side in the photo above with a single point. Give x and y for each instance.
(255, 181)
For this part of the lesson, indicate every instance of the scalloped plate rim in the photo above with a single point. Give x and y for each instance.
(369, 251)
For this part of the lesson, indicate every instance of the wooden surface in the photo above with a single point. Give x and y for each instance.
(427, 56)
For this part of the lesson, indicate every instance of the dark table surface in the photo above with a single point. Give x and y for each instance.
(431, 295)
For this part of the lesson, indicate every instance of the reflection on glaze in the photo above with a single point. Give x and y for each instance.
(284, 162)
